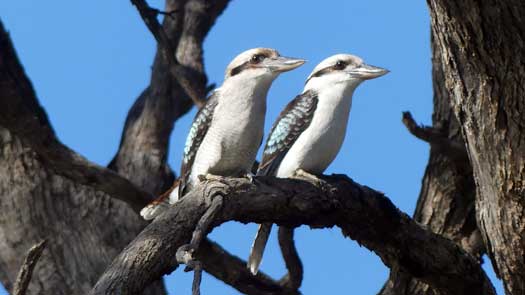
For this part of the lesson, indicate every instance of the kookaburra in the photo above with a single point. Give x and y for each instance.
(309, 132)
(228, 130)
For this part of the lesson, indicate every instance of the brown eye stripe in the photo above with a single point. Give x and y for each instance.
(239, 69)
(248, 64)
(337, 67)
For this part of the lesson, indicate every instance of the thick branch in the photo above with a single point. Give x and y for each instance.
(362, 213)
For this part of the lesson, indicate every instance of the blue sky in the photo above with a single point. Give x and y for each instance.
(89, 60)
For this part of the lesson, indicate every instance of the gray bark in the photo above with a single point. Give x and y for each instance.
(482, 45)
(50, 192)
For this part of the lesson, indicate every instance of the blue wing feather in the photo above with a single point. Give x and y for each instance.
(292, 121)
(198, 130)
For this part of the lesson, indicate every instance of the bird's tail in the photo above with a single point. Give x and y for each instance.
(162, 203)
(256, 253)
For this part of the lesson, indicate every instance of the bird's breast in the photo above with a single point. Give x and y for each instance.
(231, 143)
(318, 145)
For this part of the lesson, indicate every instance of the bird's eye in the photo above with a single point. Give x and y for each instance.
(257, 58)
(339, 65)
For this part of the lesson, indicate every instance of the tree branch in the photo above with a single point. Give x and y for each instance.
(233, 271)
(26, 271)
(149, 16)
(294, 277)
(435, 137)
(362, 213)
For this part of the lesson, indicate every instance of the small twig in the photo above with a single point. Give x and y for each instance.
(26, 271)
(167, 13)
(149, 16)
(197, 277)
(435, 137)
(294, 278)
(186, 252)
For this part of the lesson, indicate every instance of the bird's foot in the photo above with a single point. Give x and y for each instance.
(184, 255)
(301, 174)
(248, 176)
(209, 176)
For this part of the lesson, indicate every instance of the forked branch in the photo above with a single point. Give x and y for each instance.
(149, 16)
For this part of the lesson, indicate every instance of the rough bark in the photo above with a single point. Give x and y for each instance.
(49, 192)
(482, 45)
(446, 201)
(362, 213)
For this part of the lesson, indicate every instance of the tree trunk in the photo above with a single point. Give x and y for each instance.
(483, 59)
(40, 200)
(446, 201)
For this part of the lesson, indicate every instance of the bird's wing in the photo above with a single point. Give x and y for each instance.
(292, 121)
(198, 130)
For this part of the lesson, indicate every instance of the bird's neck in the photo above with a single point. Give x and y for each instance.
(246, 91)
(336, 94)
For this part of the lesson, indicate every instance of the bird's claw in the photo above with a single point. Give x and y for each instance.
(184, 255)
(301, 174)
(249, 176)
(208, 176)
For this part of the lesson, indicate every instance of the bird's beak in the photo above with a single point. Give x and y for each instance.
(282, 64)
(367, 72)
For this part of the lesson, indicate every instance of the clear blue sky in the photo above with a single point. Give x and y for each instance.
(89, 60)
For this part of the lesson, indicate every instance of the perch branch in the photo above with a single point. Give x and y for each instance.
(362, 214)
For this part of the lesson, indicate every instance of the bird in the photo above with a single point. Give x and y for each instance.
(309, 132)
(227, 131)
